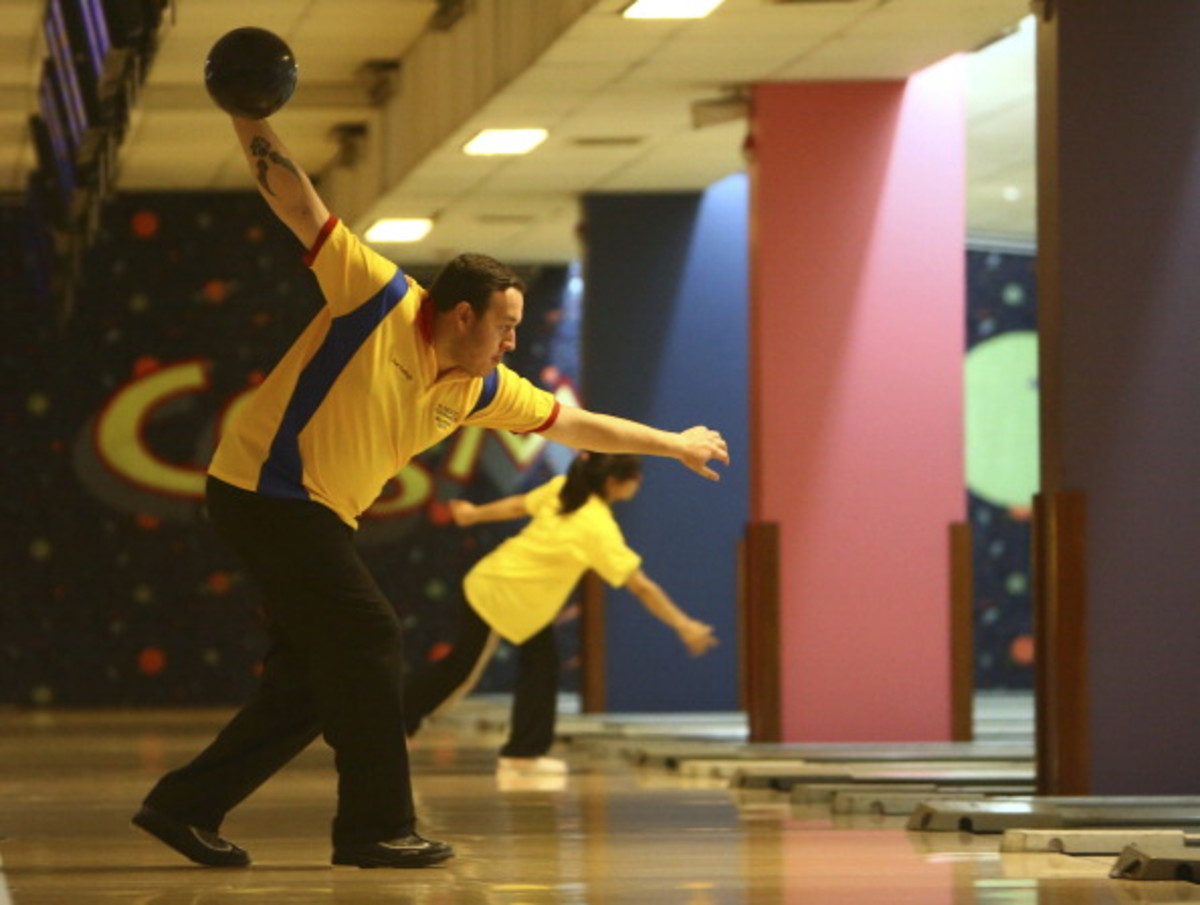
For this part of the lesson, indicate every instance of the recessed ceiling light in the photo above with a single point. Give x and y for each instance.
(505, 141)
(670, 9)
(399, 229)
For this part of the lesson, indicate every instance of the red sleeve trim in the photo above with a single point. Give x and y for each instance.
(549, 422)
(311, 256)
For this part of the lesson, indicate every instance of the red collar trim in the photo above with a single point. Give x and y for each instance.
(311, 256)
(425, 316)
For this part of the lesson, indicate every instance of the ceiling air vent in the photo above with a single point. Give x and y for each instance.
(505, 219)
(735, 104)
(607, 141)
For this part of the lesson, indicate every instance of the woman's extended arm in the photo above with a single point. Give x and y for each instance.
(465, 513)
(696, 636)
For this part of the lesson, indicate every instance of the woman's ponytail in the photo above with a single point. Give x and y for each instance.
(588, 473)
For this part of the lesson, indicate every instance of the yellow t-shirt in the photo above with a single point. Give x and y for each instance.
(357, 395)
(519, 587)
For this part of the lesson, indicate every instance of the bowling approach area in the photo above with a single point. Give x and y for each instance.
(655, 809)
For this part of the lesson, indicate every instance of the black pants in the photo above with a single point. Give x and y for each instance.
(334, 668)
(535, 698)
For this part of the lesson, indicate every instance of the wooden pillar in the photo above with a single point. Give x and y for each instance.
(1060, 627)
(593, 698)
(758, 618)
(962, 634)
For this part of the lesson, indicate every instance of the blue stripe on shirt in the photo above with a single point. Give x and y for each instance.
(491, 384)
(282, 473)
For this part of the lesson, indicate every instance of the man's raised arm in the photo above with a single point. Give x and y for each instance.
(280, 181)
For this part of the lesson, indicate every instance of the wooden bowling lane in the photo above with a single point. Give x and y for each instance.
(607, 833)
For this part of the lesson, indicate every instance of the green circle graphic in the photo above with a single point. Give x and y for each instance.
(1001, 384)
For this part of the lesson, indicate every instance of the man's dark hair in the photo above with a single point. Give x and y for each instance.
(472, 278)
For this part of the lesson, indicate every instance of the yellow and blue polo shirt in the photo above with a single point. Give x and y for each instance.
(358, 395)
(519, 587)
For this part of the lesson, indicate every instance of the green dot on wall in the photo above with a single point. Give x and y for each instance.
(1016, 584)
(41, 695)
(1013, 295)
(37, 404)
(1002, 418)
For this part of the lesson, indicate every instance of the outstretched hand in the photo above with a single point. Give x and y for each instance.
(697, 637)
(462, 512)
(700, 446)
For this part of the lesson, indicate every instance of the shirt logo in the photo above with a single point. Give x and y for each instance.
(445, 417)
(403, 370)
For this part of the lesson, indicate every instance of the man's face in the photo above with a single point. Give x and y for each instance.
(486, 338)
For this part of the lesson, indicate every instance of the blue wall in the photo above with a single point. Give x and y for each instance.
(664, 342)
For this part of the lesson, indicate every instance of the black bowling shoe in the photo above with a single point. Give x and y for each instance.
(404, 851)
(202, 846)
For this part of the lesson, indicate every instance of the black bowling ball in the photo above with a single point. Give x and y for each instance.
(250, 72)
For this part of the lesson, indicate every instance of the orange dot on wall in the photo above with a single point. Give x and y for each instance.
(152, 661)
(146, 522)
(220, 582)
(439, 651)
(1021, 650)
(216, 291)
(439, 513)
(144, 224)
(145, 364)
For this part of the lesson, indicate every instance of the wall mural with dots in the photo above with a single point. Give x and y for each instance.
(117, 592)
(1001, 384)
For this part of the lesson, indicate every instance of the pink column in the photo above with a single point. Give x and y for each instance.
(857, 313)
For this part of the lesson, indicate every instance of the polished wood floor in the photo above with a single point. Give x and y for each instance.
(607, 833)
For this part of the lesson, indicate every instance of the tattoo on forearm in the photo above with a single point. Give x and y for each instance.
(261, 150)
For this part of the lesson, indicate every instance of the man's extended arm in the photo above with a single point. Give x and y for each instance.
(694, 447)
(280, 181)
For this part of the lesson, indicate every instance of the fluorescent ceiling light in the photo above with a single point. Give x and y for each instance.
(396, 229)
(670, 9)
(505, 141)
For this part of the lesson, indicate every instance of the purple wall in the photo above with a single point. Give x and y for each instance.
(1124, 424)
